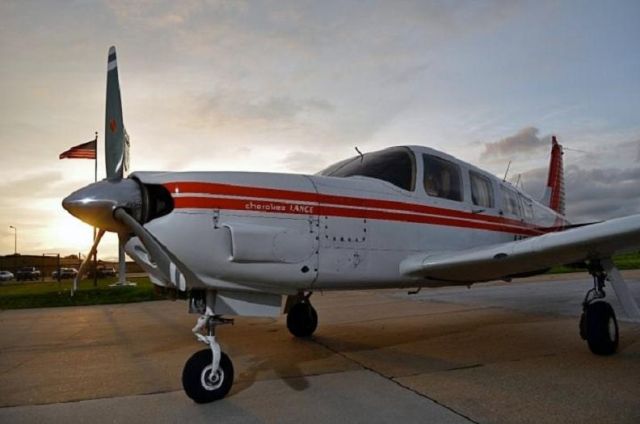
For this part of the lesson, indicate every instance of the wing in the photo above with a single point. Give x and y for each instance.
(596, 241)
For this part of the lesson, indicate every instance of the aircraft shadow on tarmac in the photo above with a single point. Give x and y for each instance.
(409, 345)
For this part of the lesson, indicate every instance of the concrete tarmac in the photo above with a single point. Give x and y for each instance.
(498, 352)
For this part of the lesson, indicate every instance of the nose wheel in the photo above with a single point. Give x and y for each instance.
(208, 374)
(201, 383)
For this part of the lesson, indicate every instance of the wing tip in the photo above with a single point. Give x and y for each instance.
(112, 62)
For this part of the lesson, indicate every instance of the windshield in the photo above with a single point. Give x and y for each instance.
(396, 166)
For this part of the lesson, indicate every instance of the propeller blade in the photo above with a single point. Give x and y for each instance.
(116, 139)
(175, 272)
(122, 260)
(87, 260)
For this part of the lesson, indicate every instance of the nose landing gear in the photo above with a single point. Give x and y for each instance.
(208, 373)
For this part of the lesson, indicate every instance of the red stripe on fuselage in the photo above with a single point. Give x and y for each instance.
(331, 205)
(303, 196)
(251, 205)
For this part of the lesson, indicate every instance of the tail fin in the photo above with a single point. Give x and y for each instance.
(116, 139)
(554, 194)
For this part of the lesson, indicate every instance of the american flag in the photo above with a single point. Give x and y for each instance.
(81, 151)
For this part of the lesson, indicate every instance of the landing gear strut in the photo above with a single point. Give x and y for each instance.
(302, 319)
(208, 374)
(598, 324)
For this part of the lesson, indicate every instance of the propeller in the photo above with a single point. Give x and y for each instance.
(168, 265)
(87, 260)
(116, 203)
(116, 145)
(116, 162)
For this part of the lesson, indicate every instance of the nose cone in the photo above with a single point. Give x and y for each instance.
(87, 205)
(95, 203)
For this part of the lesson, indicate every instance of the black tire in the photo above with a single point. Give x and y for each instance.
(195, 377)
(302, 319)
(600, 328)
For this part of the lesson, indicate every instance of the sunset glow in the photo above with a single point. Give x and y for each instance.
(293, 87)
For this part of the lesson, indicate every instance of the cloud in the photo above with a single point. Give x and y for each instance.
(593, 194)
(636, 144)
(306, 162)
(32, 186)
(603, 193)
(525, 140)
(161, 15)
(229, 107)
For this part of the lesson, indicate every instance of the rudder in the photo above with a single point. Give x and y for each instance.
(554, 196)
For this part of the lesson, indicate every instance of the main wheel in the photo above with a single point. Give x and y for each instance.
(600, 328)
(199, 383)
(302, 319)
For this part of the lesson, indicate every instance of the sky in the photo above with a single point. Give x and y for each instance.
(293, 86)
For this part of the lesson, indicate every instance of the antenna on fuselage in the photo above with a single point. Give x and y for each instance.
(360, 153)
(576, 150)
(506, 172)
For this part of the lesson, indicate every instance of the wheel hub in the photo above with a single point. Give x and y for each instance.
(211, 381)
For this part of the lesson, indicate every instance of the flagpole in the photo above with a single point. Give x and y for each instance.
(88, 150)
(95, 232)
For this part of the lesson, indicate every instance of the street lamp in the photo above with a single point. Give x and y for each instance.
(15, 239)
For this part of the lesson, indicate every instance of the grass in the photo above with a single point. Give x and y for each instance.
(623, 261)
(52, 294)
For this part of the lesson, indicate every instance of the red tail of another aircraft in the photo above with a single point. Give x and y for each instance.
(554, 194)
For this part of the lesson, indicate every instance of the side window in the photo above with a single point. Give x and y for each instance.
(481, 190)
(510, 204)
(442, 178)
(527, 208)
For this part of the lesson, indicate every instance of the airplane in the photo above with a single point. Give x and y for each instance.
(256, 244)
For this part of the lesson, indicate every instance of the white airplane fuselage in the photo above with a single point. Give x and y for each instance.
(233, 243)
(283, 233)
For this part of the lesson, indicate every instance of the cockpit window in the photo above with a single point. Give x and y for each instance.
(442, 178)
(396, 166)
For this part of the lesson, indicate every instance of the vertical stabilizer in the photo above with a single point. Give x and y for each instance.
(554, 193)
(116, 140)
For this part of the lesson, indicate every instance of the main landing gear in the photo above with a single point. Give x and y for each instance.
(208, 374)
(598, 323)
(302, 318)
